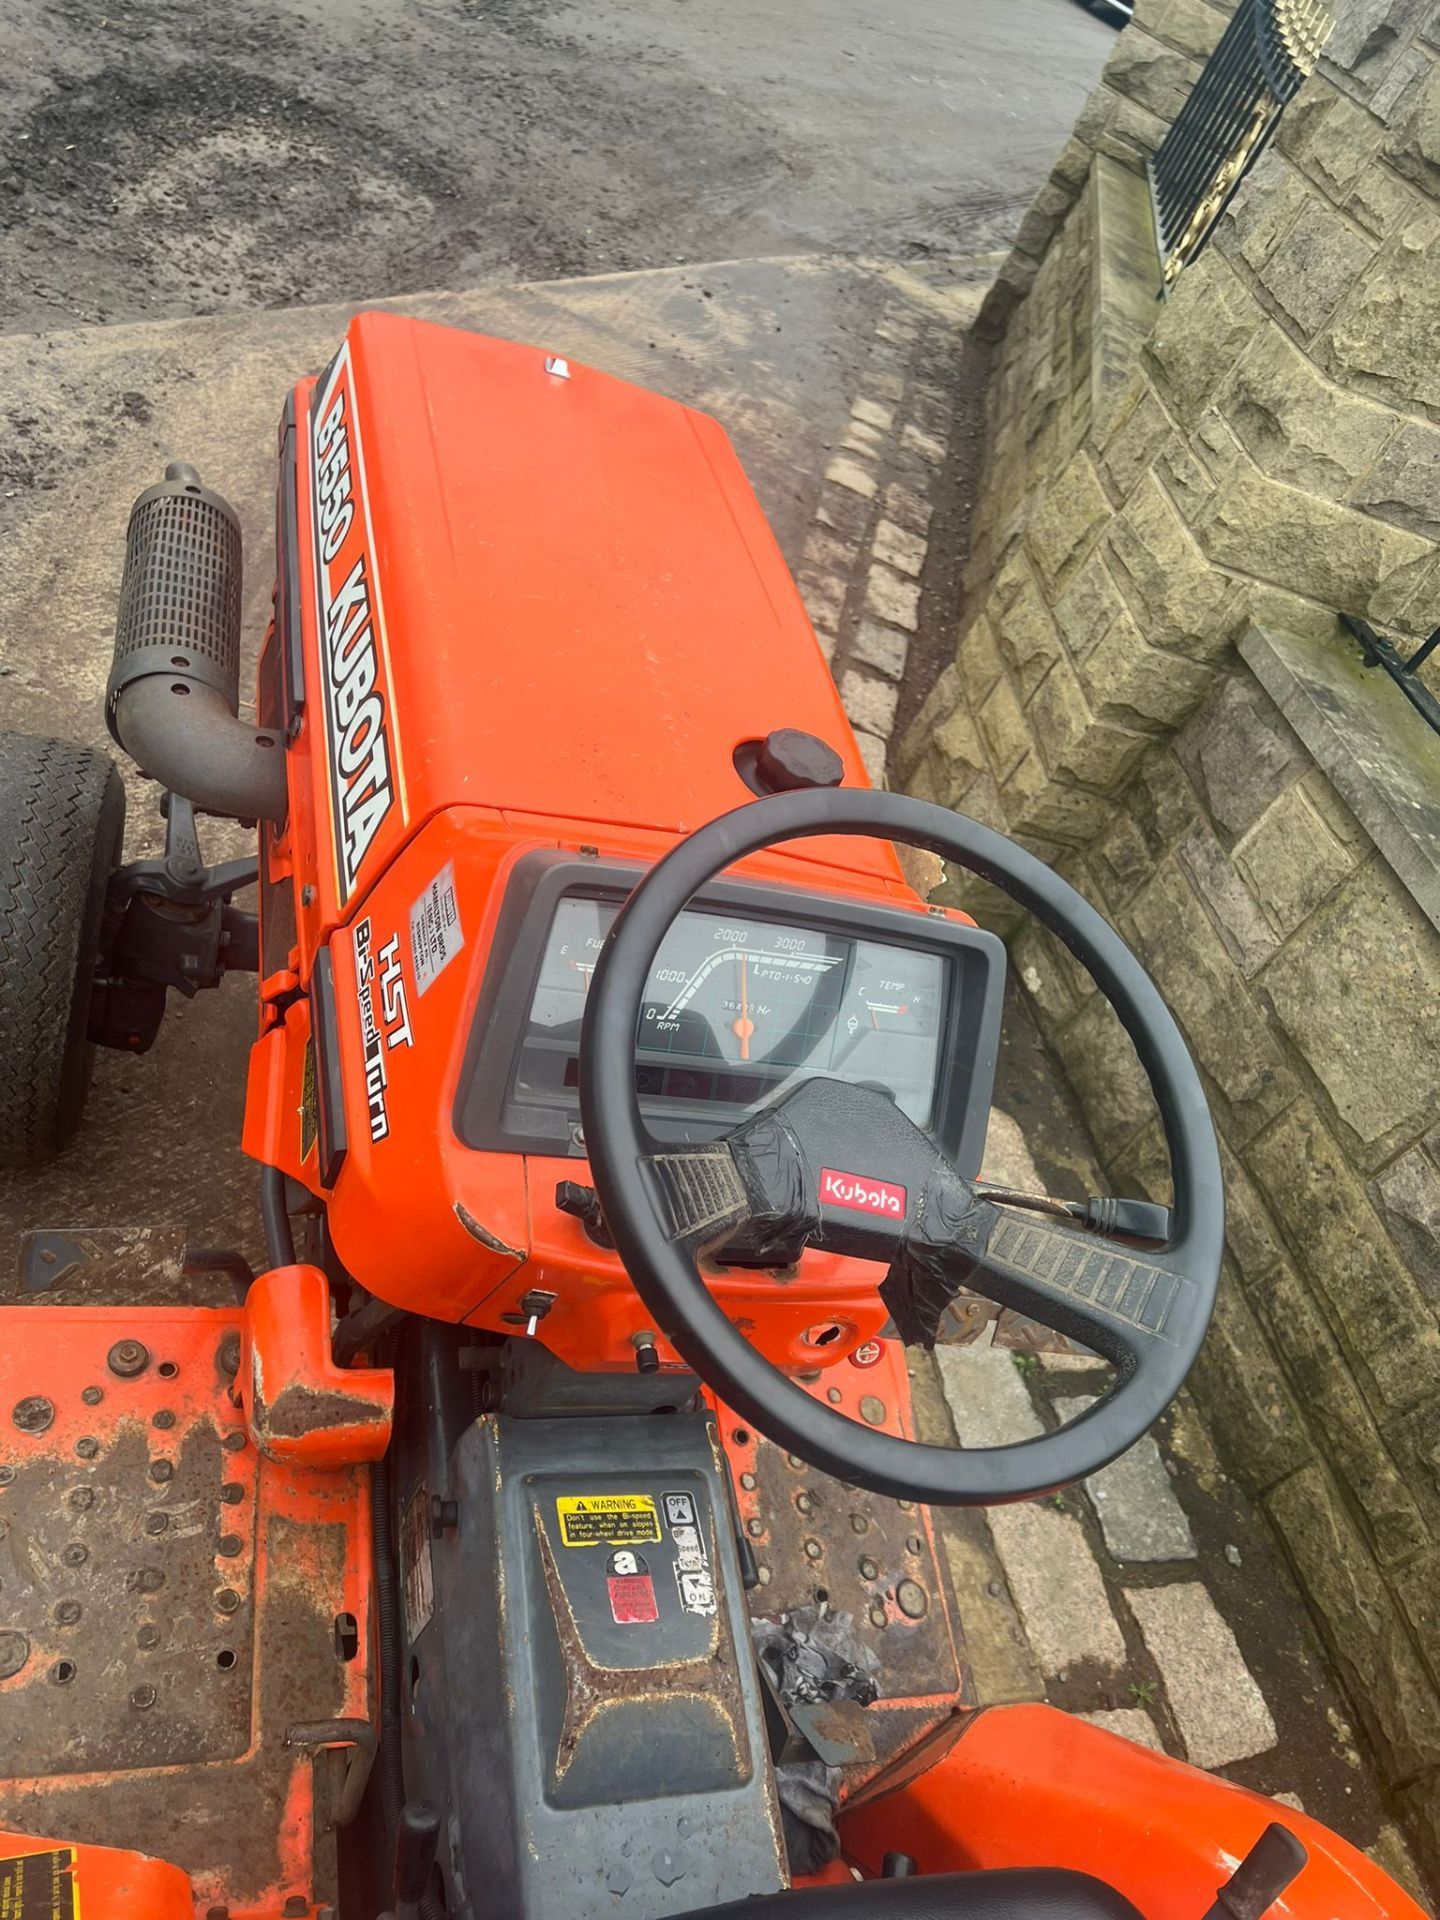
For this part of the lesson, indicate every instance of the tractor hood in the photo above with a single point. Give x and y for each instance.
(573, 605)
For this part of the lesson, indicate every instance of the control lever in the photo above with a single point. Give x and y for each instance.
(583, 1204)
(1261, 1877)
(415, 1846)
(1114, 1218)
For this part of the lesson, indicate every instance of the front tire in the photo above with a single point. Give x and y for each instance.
(62, 819)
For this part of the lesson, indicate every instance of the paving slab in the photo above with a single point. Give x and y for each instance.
(1134, 1499)
(1131, 1723)
(1058, 1588)
(987, 1396)
(1218, 1707)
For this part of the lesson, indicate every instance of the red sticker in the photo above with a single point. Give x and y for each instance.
(869, 1355)
(861, 1194)
(632, 1597)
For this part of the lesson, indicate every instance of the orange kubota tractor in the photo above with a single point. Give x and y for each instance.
(552, 1541)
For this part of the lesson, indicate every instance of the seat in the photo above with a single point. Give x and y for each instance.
(1012, 1893)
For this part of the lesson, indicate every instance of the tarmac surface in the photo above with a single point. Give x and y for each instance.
(171, 157)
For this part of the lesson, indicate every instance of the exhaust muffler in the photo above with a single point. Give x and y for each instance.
(173, 698)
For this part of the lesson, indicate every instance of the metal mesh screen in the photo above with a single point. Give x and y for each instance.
(180, 596)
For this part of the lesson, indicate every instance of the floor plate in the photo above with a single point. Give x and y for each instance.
(175, 1610)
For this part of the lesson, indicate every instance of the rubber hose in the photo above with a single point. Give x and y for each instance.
(275, 1216)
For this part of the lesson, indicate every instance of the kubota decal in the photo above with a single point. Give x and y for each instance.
(360, 741)
(389, 1028)
(861, 1194)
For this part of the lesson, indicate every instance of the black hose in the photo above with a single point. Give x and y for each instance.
(279, 1237)
(224, 1260)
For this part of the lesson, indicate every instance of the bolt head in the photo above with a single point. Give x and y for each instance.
(128, 1359)
(33, 1414)
(142, 1697)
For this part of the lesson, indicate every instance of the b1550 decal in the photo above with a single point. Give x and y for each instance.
(359, 727)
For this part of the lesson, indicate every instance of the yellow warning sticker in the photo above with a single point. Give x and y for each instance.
(607, 1519)
(40, 1886)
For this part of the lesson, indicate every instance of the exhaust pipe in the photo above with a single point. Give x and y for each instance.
(173, 698)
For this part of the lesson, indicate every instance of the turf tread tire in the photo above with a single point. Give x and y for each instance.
(62, 818)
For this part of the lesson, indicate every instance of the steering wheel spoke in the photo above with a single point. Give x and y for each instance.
(1119, 1302)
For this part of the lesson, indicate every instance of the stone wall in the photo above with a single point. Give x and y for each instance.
(1307, 981)
(1261, 448)
(1152, 691)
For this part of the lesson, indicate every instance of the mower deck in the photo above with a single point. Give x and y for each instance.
(183, 1623)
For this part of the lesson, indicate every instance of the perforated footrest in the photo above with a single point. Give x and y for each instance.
(173, 1605)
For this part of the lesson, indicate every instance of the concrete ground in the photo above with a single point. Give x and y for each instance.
(172, 157)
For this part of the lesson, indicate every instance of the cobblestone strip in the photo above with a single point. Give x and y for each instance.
(1073, 1599)
(860, 570)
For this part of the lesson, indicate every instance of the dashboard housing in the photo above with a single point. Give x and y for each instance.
(493, 1113)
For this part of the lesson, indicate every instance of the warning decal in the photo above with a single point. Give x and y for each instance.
(607, 1519)
(435, 932)
(632, 1591)
(692, 1561)
(40, 1886)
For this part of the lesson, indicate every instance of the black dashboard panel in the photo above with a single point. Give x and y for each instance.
(755, 988)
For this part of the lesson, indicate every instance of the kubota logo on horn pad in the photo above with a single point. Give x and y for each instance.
(861, 1194)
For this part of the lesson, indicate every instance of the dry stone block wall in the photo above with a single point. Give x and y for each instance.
(1152, 691)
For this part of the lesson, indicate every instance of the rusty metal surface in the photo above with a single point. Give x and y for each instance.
(191, 1649)
(965, 1319)
(111, 1575)
(110, 1266)
(819, 1543)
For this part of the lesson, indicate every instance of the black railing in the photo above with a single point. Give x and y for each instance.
(1268, 49)
(1403, 669)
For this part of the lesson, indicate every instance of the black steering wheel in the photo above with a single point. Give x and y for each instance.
(766, 1191)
